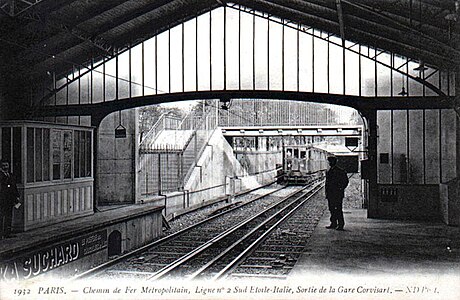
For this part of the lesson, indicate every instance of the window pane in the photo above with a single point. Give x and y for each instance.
(38, 154)
(56, 146)
(46, 154)
(67, 154)
(30, 154)
(17, 157)
(88, 154)
(83, 154)
(76, 154)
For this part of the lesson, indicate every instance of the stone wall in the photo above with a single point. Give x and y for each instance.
(116, 161)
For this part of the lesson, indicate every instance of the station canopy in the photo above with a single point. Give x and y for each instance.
(39, 36)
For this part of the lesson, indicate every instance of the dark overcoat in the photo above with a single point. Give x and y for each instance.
(8, 191)
(336, 182)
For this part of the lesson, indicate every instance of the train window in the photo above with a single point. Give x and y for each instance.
(67, 148)
(38, 153)
(56, 153)
(303, 154)
(296, 153)
(46, 154)
(30, 155)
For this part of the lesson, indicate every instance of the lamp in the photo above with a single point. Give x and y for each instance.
(403, 89)
(421, 67)
(402, 92)
(120, 131)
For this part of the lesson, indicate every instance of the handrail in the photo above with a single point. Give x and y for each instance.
(160, 125)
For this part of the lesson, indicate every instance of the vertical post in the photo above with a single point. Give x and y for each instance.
(239, 47)
(268, 52)
(169, 60)
(375, 73)
(210, 49)
(298, 57)
(116, 75)
(103, 82)
(159, 173)
(328, 65)
(313, 60)
(156, 64)
(225, 47)
(253, 51)
(95, 121)
(371, 116)
(344, 66)
(129, 73)
(196, 52)
(392, 64)
(359, 72)
(282, 57)
(183, 59)
(143, 69)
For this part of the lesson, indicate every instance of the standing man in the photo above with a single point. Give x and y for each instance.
(9, 198)
(336, 182)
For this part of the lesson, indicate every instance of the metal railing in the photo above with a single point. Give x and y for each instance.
(164, 122)
(166, 168)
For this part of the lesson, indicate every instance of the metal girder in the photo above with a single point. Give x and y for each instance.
(74, 31)
(417, 79)
(320, 15)
(291, 130)
(15, 7)
(360, 103)
(341, 22)
(401, 10)
(142, 33)
(389, 18)
(294, 26)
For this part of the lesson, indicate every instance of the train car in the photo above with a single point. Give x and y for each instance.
(303, 164)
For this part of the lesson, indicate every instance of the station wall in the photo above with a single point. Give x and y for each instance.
(217, 175)
(116, 161)
(416, 150)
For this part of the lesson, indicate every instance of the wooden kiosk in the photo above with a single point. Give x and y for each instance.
(53, 167)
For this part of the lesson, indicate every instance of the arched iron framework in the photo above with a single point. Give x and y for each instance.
(295, 62)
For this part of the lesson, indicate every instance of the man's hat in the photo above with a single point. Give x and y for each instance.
(332, 159)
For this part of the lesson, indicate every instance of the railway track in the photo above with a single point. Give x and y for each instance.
(212, 247)
(136, 256)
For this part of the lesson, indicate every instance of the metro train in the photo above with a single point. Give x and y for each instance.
(303, 164)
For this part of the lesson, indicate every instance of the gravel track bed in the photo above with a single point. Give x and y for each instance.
(216, 226)
(203, 213)
(279, 252)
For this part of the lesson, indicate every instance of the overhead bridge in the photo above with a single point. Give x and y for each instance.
(307, 130)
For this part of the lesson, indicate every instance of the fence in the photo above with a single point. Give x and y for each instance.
(165, 168)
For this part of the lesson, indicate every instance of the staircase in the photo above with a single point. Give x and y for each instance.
(168, 155)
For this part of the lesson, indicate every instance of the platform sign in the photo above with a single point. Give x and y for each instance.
(49, 258)
(120, 132)
(351, 142)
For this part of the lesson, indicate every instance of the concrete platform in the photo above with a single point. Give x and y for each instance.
(380, 247)
(379, 259)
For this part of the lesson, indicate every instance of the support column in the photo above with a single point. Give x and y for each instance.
(371, 116)
(454, 201)
(95, 122)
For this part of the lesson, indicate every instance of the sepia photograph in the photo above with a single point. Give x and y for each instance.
(213, 149)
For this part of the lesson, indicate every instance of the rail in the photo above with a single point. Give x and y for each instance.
(228, 235)
(102, 267)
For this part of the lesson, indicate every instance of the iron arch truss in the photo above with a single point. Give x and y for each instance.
(238, 51)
